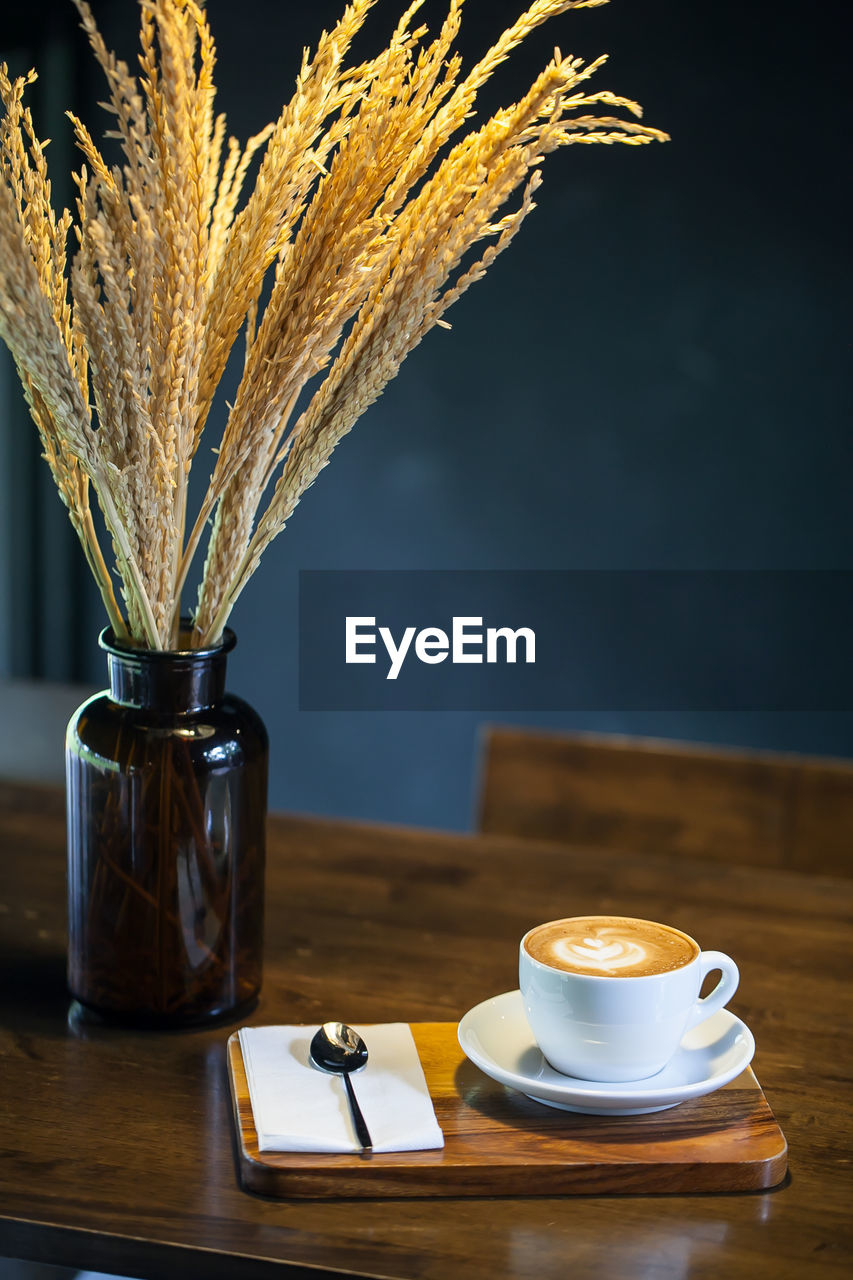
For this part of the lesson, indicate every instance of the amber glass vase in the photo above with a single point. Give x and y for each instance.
(166, 792)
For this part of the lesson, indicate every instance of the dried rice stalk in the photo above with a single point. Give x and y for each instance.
(368, 232)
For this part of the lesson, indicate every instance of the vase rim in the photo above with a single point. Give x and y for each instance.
(131, 649)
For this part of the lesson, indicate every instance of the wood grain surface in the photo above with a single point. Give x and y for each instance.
(117, 1148)
(496, 1140)
(758, 808)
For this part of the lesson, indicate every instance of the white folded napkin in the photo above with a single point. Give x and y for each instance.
(298, 1108)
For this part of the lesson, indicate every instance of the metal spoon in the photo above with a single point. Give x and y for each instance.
(338, 1049)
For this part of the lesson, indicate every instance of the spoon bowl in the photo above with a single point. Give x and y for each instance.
(338, 1048)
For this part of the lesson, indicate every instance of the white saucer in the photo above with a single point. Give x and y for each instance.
(496, 1036)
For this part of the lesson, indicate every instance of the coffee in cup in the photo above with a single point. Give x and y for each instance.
(609, 997)
(610, 946)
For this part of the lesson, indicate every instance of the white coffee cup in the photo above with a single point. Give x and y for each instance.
(596, 1005)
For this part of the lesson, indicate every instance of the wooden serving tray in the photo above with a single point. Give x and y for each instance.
(499, 1142)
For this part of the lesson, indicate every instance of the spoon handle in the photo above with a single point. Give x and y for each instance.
(361, 1130)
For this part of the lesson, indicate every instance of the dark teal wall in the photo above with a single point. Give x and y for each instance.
(656, 375)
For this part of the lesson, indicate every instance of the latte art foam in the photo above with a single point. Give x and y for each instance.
(611, 946)
(600, 953)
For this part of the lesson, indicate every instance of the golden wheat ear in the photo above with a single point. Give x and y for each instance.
(368, 208)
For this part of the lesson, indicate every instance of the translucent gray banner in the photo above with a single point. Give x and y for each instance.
(767, 640)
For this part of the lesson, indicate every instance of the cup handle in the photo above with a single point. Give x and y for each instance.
(723, 991)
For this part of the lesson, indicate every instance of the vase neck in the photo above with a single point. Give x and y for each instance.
(171, 682)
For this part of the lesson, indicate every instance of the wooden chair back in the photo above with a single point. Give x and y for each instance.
(651, 796)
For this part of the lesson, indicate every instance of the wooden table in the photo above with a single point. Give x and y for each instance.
(117, 1147)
